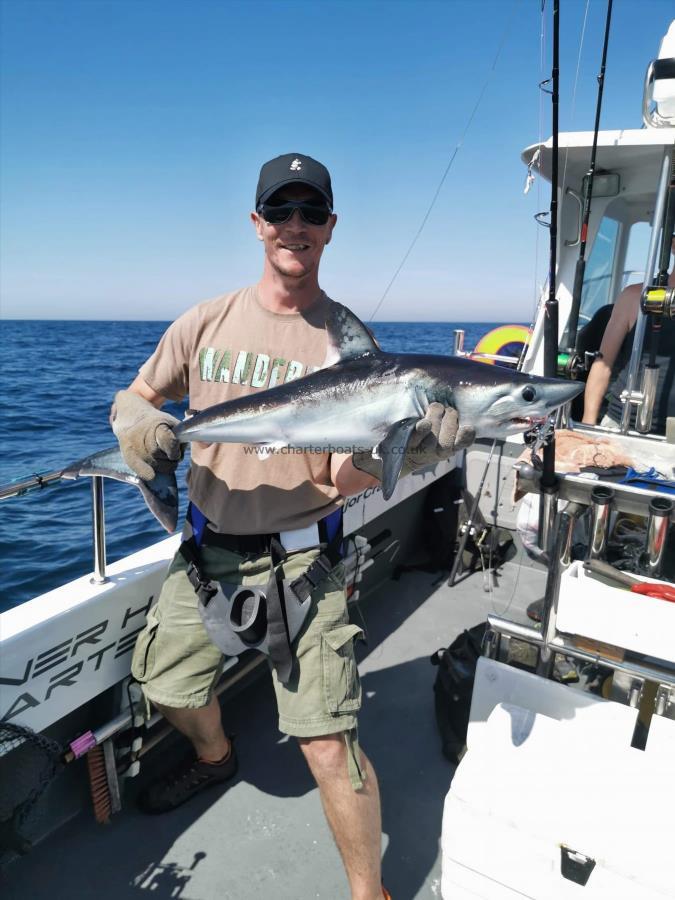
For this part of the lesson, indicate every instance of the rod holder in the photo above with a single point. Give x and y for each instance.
(98, 524)
(548, 504)
(549, 614)
(601, 504)
(572, 512)
(458, 342)
(650, 380)
(660, 511)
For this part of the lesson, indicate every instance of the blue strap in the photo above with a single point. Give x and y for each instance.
(649, 479)
(332, 523)
(198, 521)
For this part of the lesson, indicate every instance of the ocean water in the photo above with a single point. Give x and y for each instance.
(58, 380)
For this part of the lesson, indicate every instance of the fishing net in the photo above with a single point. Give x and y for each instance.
(29, 762)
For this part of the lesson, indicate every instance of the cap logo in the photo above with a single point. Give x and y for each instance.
(296, 165)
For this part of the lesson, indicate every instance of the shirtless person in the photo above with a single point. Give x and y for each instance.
(608, 374)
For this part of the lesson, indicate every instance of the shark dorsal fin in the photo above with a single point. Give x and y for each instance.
(347, 336)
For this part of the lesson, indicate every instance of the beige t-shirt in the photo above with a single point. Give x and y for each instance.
(232, 347)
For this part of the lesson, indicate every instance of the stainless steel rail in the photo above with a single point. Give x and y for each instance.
(458, 350)
(560, 644)
(38, 482)
(627, 498)
(98, 525)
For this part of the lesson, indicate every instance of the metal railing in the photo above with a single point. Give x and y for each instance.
(547, 639)
(38, 482)
(458, 350)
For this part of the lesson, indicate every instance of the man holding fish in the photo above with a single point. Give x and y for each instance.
(244, 504)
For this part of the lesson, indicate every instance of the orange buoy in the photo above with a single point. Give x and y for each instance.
(502, 345)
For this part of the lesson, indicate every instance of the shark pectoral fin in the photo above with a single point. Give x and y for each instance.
(392, 453)
(160, 494)
(347, 336)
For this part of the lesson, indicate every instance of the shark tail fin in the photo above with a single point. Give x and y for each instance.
(160, 494)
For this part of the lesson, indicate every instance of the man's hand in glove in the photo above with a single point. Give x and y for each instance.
(145, 435)
(437, 436)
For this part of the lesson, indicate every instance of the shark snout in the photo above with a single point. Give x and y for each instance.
(556, 392)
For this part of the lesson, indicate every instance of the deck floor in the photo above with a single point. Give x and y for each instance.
(266, 836)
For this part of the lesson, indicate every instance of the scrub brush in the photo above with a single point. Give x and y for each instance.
(103, 781)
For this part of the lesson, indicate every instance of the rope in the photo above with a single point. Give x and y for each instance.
(574, 90)
(449, 165)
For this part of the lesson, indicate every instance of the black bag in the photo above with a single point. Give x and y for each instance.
(453, 688)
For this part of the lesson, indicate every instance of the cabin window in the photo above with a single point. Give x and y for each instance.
(636, 254)
(599, 270)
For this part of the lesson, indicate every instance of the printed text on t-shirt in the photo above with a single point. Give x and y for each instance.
(257, 369)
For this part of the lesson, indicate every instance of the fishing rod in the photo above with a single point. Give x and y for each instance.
(549, 482)
(572, 337)
(29, 483)
(664, 261)
(469, 526)
(657, 301)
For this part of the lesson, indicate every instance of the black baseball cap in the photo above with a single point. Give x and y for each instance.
(293, 168)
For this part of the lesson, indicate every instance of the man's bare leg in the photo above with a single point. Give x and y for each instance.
(354, 816)
(203, 727)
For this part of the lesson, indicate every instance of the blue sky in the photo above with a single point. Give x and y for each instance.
(132, 134)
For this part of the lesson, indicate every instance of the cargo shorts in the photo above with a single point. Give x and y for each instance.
(177, 664)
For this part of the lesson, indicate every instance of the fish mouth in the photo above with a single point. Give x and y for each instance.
(526, 421)
(515, 424)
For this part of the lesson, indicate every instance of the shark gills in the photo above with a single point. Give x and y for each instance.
(362, 399)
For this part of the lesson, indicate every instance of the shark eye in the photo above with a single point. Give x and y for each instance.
(529, 393)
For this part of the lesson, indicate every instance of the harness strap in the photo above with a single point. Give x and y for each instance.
(278, 638)
(205, 589)
(320, 568)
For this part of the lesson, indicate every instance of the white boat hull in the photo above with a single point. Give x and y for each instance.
(66, 647)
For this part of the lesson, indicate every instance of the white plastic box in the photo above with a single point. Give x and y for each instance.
(553, 783)
(614, 615)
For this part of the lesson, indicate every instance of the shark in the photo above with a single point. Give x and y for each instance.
(363, 399)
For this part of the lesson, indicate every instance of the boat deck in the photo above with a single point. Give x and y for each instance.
(266, 835)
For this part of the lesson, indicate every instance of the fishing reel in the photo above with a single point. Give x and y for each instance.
(574, 365)
(537, 438)
(658, 301)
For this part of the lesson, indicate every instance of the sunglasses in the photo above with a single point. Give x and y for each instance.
(282, 212)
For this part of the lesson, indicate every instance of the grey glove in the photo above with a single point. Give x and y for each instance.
(145, 435)
(437, 436)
